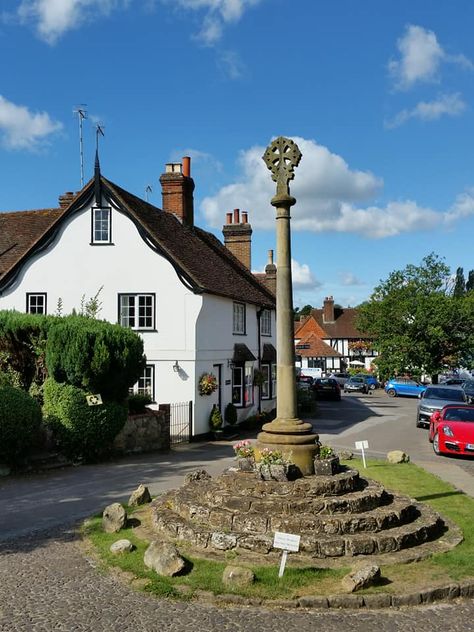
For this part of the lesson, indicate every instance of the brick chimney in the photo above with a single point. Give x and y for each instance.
(66, 198)
(177, 188)
(238, 236)
(328, 310)
(271, 273)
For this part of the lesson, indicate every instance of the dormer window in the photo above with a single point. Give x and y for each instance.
(101, 225)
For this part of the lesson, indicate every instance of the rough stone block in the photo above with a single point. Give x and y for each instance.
(164, 559)
(114, 518)
(238, 576)
(397, 456)
(313, 602)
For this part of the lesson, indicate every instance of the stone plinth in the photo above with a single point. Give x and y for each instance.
(294, 439)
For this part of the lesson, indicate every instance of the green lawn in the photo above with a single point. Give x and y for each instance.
(405, 478)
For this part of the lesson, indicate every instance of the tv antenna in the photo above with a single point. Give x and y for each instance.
(147, 191)
(81, 112)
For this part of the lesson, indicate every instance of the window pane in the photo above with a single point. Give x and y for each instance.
(248, 385)
(145, 311)
(37, 303)
(127, 310)
(266, 322)
(239, 318)
(101, 225)
(237, 386)
(265, 388)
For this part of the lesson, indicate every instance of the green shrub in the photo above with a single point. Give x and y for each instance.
(230, 414)
(138, 403)
(82, 431)
(215, 418)
(94, 355)
(22, 345)
(20, 418)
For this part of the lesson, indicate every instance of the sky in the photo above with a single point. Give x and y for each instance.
(378, 95)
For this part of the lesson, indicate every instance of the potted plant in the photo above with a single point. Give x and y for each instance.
(216, 421)
(273, 466)
(326, 462)
(230, 414)
(245, 455)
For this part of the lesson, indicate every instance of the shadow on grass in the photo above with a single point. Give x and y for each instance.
(441, 495)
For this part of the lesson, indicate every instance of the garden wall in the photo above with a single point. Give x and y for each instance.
(146, 432)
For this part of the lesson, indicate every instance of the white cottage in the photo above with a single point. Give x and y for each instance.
(192, 299)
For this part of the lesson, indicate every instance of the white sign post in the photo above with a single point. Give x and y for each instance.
(362, 445)
(287, 542)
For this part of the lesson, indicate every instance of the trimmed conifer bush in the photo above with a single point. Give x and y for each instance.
(230, 414)
(82, 431)
(94, 355)
(20, 418)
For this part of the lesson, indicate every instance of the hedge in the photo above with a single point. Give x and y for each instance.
(20, 418)
(82, 431)
(94, 355)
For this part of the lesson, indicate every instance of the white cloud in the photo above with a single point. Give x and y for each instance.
(53, 18)
(420, 58)
(329, 196)
(230, 64)
(348, 279)
(444, 105)
(302, 276)
(22, 129)
(197, 157)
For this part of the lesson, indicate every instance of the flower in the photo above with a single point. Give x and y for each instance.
(243, 449)
(207, 384)
(272, 457)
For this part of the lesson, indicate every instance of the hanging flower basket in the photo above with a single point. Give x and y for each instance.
(207, 384)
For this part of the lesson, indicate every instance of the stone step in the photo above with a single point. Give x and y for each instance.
(424, 527)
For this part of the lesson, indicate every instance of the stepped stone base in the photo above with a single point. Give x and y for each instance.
(338, 517)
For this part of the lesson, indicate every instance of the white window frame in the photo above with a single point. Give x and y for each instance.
(146, 383)
(140, 308)
(101, 226)
(239, 318)
(266, 384)
(266, 323)
(242, 388)
(35, 306)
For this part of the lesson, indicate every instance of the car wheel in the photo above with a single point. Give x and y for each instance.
(436, 444)
(391, 392)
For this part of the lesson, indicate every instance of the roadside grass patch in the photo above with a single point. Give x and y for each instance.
(206, 574)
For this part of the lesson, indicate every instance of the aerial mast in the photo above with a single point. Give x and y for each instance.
(81, 115)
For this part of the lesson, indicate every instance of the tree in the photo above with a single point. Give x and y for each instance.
(418, 325)
(459, 288)
(304, 311)
(470, 281)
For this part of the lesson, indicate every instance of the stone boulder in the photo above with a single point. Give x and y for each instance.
(121, 546)
(141, 496)
(238, 576)
(362, 578)
(114, 518)
(397, 456)
(197, 475)
(164, 559)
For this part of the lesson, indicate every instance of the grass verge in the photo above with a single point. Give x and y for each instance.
(206, 575)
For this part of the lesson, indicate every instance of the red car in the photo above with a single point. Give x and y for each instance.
(452, 430)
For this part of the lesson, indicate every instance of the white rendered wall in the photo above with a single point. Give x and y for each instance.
(71, 268)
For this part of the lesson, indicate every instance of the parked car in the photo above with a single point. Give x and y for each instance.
(468, 388)
(452, 431)
(341, 378)
(436, 397)
(304, 382)
(403, 386)
(326, 388)
(371, 380)
(356, 383)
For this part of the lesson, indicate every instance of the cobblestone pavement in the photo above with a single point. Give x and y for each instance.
(46, 584)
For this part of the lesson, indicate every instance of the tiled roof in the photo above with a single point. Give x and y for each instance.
(343, 325)
(315, 348)
(198, 255)
(309, 325)
(19, 231)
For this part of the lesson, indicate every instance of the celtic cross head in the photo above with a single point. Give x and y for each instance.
(281, 157)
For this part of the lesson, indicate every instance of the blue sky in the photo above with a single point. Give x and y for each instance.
(378, 95)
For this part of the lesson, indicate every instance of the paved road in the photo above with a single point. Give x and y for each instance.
(47, 584)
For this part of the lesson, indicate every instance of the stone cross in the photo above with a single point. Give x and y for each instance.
(281, 157)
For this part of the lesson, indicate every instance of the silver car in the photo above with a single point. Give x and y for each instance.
(436, 397)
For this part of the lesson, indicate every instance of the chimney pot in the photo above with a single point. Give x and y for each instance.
(270, 257)
(228, 218)
(187, 166)
(245, 217)
(236, 216)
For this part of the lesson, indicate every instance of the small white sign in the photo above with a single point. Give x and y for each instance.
(286, 541)
(94, 400)
(362, 445)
